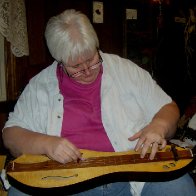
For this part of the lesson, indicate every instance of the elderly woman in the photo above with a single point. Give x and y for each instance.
(92, 100)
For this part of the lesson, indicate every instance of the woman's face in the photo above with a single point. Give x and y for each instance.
(85, 69)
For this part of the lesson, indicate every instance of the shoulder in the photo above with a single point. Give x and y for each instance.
(117, 61)
(45, 81)
(113, 58)
(118, 65)
(46, 74)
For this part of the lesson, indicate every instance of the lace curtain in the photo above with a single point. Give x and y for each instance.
(13, 25)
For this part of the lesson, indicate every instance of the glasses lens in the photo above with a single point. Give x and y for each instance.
(95, 66)
(78, 74)
(82, 72)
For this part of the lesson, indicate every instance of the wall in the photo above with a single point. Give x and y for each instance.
(2, 71)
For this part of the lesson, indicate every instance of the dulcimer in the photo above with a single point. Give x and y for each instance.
(40, 171)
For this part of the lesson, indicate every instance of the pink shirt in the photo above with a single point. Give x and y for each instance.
(82, 124)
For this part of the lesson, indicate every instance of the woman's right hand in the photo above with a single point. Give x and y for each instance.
(22, 141)
(61, 149)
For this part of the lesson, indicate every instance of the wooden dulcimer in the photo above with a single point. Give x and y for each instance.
(40, 171)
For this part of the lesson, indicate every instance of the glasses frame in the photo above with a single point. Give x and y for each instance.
(82, 72)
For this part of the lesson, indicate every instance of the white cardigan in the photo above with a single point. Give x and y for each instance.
(129, 100)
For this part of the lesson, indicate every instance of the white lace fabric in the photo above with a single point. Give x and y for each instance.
(13, 25)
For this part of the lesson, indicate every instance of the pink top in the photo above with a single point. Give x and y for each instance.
(82, 124)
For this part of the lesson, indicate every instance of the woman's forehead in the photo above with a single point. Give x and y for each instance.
(81, 58)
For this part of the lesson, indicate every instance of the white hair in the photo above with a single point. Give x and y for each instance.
(70, 35)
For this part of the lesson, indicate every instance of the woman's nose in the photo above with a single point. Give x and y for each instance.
(86, 68)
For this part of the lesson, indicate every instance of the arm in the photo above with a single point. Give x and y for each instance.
(161, 128)
(20, 141)
(31, 113)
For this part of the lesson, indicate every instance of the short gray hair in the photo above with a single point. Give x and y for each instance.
(70, 35)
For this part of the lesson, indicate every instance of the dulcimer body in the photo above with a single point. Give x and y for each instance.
(40, 171)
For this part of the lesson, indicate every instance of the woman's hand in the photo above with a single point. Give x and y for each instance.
(22, 141)
(151, 137)
(61, 150)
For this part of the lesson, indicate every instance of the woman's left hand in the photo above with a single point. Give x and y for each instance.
(151, 138)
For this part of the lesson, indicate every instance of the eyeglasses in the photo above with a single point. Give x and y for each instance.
(82, 72)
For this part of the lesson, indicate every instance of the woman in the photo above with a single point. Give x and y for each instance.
(92, 100)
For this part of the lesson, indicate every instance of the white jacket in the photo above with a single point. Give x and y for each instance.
(129, 100)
